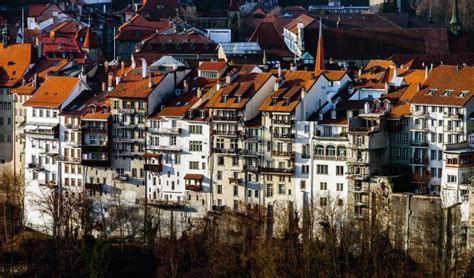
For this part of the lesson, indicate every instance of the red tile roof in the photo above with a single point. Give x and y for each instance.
(141, 26)
(14, 61)
(212, 66)
(270, 39)
(53, 92)
(134, 86)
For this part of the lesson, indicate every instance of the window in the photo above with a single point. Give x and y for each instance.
(281, 189)
(194, 165)
(323, 186)
(134, 172)
(330, 151)
(447, 93)
(339, 170)
(195, 146)
(195, 129)
(220, 160)
(219, 189)
(269, 190)
(323, 201)
(322, 169)
(236, 190)
(452, 179)
(219, 175)
(303, 185)
(304, 169)
(339, 186)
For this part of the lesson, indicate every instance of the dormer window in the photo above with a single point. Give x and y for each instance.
(224, 98)
(274, 101)
(203, 113)
(105, 109)
(287, 101)
(190, 113)
(238, 99)
(431, 92)
(447, 93)
(463, 94)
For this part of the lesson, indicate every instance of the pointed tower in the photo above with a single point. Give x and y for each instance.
(455, 24)
(319, 58)
(91, 44)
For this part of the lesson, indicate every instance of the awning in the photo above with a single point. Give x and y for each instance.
(196, 177)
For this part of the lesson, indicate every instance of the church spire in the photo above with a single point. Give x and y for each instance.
(455, 24)
(319, 59)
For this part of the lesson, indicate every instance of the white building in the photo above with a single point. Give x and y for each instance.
(44, 147)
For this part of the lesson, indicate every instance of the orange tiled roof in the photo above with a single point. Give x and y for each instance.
(212, 66)
(245, 86)
(293, 25)
(333, 75)
(14, 60)
(290, 90)
(134, 86)
(53, 92)
(400, 109)
(90, 40)
(444, 78)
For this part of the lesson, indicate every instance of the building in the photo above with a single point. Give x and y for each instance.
(44, 149)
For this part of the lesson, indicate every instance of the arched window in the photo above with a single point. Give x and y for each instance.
(341, 151)
(330, 151)
(319, 150)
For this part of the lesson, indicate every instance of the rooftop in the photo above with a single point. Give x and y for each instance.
(53, 92)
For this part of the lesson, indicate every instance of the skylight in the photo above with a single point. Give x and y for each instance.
(463, 94)
(431, 92)
(447, 93)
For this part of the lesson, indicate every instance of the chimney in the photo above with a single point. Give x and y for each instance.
(134, 64)
(185, 85)
(106, 66)
(104, 86)
(110, 82)
(360, 71)
(303, 93)
(228, 79)
(431, 66)
(35, 81)
(122, 67)
(151, 81)
(366, 108)
(395, 72)
(117, 80)
(218, 85)
(387, 87)
(276, 85)
(427, 72)
(418, 87)
(199, 92)
(144, 68)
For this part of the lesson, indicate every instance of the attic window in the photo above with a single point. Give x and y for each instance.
(190, 113)
(287, 101)
(203, 114)
(224, 98)
(447, 93)
(238, 99)
(11, 63)
(463, 94)
(274, 101)
(431, 92)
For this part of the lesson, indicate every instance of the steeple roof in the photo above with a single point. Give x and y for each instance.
(319, 59)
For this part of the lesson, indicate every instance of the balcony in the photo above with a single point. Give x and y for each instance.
(421, 113)
(166, 131)
(121, 177)
(48, 184)
(281, 121)
(454, 129)
(42, 133)
(226, 151)
(226, 118)
(329, 157)
(156, 168)
(72, 126)
(49, 152)
(252, 138)
(287, 171)
(420, 160)
(452, 115)
(95, 162)
(251, 152)
(125, 140)
(355, 160)
(73, 143)
(172, 148)
(364, 129)
(283, 154)
(231, 133)
(95, 148)
(35, 166)
(69, 159)
(193, 187)
(360, 177)
(94, 129)
(331, 137)
(236, 181)
(127, 111)
(251, 168)
(165, 204)
(283, 135)
(418, 127)
(419, 143)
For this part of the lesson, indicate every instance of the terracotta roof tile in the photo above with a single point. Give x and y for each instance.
(304, 18)
(257, 80)
(53, 92)
(14, 61)
(134, 86)
(443, 79)
(212, 66)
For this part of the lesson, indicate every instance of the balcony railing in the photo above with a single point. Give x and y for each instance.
(251, 168)
(94, 129)
(48, 184)
(329, 157)
(420, 160)
(127, 110)
(278, 170)
(364, 129)
(72, 126)
(121, 177)
(227, 118)
(251, 152)
(226, 132)
(283, 135)
(193, 187)
(452, 115)
(236, 181)
(69, 159)
(226, 151)
(35, 166)
(281, 121)
(157, 168)
(419, 143)
(283, 153)
(172, 148)
(452, 128)
(172, 131)
(419, 126)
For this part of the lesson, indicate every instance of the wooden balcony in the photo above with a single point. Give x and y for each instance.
(156, 168)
